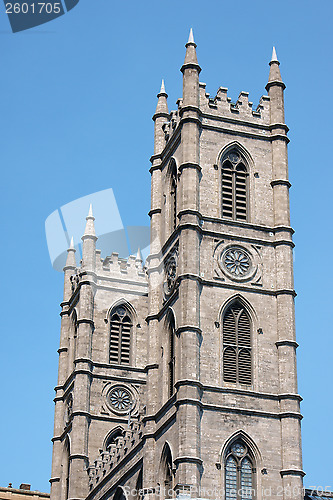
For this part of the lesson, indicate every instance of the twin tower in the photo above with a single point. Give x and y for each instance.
(177, 377)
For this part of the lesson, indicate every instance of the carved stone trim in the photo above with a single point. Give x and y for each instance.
(170, 272)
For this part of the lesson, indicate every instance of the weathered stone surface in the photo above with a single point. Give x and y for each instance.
(177, 437)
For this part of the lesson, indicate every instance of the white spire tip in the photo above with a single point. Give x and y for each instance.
(138, 255)
(162, 91)
(274, 56)
(90, 214)
(71, 246)
(191, 37)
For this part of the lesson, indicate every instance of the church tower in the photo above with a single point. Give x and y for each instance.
(182, 376)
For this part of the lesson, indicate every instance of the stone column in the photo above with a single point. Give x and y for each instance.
(291, 472)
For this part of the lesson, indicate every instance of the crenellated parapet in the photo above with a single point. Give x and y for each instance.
(222, 105)
(115, 266)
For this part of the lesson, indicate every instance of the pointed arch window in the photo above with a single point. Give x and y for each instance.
(121, 326)
(113, 438)
(166, 473)
(239, 473)
(237, 352)
(234, 188)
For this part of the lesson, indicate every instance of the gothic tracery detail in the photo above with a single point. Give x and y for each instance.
(237, 261)
(120, 399)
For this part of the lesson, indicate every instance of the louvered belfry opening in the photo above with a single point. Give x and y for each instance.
(234, 188)
(120, 336)
(237, 358)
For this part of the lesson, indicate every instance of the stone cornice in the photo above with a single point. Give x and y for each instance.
(235, 121)
(161, 115)
(293, 472)
(80, 456)
(291, 343)
(250, 225)
(190, 65)
(189, 107)
(280, 182)
(242, 133)
(85, 321)
(188, 328)
(192, 165)
(242, 392)
(273, 126)
(238, 410)
(188, 459)
(276, 83)
(154, 211)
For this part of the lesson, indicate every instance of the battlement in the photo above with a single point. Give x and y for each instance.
(115, 266)
(222, 105)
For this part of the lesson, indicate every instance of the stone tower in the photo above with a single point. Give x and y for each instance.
(179, 377)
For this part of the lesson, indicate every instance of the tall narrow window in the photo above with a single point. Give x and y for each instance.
(120, 336)
(166, 473)
(239, 473)
(171, 357)
(234, 188)
(237, 358)
(173, 196)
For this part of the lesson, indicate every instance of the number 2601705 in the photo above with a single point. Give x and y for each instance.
(33, 8)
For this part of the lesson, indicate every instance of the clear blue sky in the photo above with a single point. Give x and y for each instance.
(76, 101)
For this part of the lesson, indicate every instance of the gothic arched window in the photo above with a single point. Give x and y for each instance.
(121, 326)
(166, 473)
(234, 187)
(237, 358)
(173, 196)
(239, 473)
(113, 438)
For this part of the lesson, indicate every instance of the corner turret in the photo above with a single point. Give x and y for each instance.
(275, 88)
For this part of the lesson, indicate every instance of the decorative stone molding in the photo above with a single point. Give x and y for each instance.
(75, 279)
(110, 458)
(69, 409)
(170, 272)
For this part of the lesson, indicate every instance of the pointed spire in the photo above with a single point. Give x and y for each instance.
(191, 37)
(90, 214)
(191, 60)
(71, 261)
(274, 56)
(162, 103)
(274, 72)
(90, 226)
(162, 91)
(138, 255)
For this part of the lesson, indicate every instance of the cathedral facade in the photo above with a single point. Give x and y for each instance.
(177, 377)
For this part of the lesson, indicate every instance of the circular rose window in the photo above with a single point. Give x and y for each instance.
(237, 262)
(120, 399)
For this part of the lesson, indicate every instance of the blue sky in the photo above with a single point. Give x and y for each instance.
(77, 96)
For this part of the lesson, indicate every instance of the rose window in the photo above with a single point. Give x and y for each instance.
(120, 399)
(237, 262)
